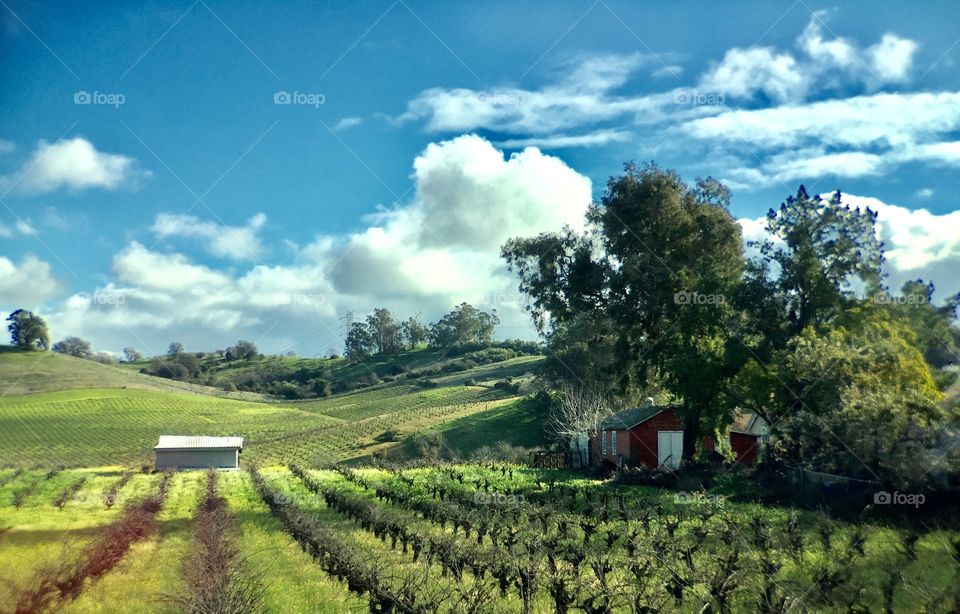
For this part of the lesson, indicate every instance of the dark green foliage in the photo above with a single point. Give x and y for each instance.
(464, 325)
(28, 331)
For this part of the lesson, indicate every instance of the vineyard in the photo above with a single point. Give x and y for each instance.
(92, 427)
(457, 538)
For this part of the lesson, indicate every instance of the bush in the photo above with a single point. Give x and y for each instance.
(469, 382)
(289, 390)
(502, 451)
(508, 386)
(944, 379)
(429, 383)
(388, 436)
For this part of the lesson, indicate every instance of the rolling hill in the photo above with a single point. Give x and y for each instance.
(57, 410)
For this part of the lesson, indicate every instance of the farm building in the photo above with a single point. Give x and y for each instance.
(652, 436)
(192, 452)
(649, 436)
(748, 434)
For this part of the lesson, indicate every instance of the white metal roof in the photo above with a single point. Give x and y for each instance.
(196, 442)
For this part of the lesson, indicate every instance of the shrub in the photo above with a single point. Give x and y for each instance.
(389, 435)
(508, 386)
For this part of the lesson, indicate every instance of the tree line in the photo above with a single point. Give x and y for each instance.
(382, 334)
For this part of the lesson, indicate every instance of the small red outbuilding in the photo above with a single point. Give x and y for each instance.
(644, 436)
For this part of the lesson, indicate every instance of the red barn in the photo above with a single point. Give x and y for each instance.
(645, 436)
(747, 434)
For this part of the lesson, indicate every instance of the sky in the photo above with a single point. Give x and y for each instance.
(212, 171)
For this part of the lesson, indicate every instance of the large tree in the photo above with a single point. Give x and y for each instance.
(385, 331)
(465, 324)
(28, 331)
(820, 255)
(658, 264)
(359, 343)
(413, 331)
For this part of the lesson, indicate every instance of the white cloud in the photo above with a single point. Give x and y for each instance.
(20, 227)
(7, 146)
(26, 284)
(469, 201)
(560, 141)
(854, 137)
(924, 193)
(916, 239)
(744, 72)
(138, 265)
(438, 250)
(74, 164)
(892, 58)
(347, 123)
(824, 63)
(584, 96)
(235, 242)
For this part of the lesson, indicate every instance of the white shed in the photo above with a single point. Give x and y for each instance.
(198, 452)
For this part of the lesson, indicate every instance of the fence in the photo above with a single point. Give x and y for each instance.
(813, 488)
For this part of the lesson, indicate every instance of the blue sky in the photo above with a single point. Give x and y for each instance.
(153, 188)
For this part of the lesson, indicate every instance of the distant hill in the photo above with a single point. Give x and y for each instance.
(293, 377)
(24, 373)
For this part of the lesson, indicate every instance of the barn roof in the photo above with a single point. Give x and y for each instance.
(749, 423)
(629, 418)
(197, 442)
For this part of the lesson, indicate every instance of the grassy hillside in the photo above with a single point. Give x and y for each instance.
(35, 372)
(58, 410)
(96, 427)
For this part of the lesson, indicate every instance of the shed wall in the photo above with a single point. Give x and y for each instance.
(746, 447)
(198, 459)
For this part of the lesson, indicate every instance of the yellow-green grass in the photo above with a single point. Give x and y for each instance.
(393, 563)
(292, 581)
(35, 372)
(38, 535)
(151, 571)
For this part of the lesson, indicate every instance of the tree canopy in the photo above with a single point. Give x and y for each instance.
(28, 331)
